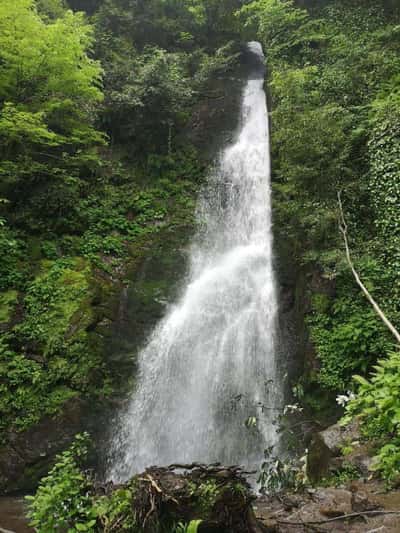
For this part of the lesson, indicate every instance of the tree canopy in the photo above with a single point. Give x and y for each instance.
(49, 88)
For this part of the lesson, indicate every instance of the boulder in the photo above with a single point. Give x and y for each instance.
(324, 504)
(325, 451)
(334, 502)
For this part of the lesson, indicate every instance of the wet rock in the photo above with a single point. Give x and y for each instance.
(290, 502)
(334, 502)
(157, 266)
(27, 456)
(336, 436)
(325, 451)
(362, 501)
(319, 458)
(361, 458)
(324, 504)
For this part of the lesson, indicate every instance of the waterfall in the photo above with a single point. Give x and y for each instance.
(210, 364)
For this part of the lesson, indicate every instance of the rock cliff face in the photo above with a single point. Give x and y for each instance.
(27, 455)
(126, 303)
(123, 306)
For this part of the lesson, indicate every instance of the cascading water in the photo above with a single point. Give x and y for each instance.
(210, 365)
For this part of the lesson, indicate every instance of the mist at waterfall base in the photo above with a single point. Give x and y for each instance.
(210, 365)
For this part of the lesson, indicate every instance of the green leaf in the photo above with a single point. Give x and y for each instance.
(194, 526)
(361, 381)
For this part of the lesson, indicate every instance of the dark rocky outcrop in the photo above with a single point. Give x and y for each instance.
(123, 306)
(326, 451)
(27, 455)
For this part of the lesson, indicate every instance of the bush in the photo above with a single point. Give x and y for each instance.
(63, 499)
(377, 406)
(66, 499)
(347, 334)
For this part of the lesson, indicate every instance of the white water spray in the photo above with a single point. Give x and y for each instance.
(210, 365)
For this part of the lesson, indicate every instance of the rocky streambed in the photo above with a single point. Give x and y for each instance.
(357, 507)
(222, 498)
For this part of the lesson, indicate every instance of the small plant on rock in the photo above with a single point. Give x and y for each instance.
(277, 475)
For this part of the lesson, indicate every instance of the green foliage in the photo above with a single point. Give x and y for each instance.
(54, 301)
(277, 475)
(348, 335)
(192, 527)
(384, 187)
(277, 23)
(12, 254)
(343, 475)
(27, 390)
(66, 500)
(388, 462)
(50, 8)
(8, 300)
(57, 358)
(48, 90)
(377, 407)
(147, 87)
(62, 501)
(115, 511)
(158, 58)
(205, 495)
(50, 354)
(333, 73)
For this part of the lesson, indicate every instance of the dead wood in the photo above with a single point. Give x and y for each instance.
(377, 309)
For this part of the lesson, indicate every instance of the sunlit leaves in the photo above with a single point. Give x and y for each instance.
(49, 87)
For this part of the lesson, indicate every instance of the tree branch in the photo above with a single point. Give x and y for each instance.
(341, 517)
(377, 309)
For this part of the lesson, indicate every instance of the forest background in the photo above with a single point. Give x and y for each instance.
(97, 168)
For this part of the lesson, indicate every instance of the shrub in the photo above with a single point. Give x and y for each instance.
(63, 499)
(377, 406)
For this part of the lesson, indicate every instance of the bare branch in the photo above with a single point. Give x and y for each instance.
(378, 310)
(336, 518)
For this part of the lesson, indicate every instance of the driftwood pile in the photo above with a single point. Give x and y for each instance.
(219, 496)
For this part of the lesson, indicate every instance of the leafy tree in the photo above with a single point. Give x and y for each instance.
(50, 8)
(63, 501)
(49, 88)
(157, 58)
(149, 88)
